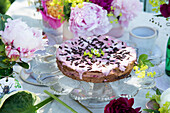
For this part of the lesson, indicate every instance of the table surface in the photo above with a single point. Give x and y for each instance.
(21, 9)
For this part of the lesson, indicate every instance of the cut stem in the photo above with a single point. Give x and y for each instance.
(84, 106)
(44, 102)
(58, 100)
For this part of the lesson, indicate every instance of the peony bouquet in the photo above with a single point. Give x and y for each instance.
(17, 41)
(89, 17)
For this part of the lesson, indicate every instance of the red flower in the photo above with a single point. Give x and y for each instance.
(106, 4)
(121, 105)
(165, 10)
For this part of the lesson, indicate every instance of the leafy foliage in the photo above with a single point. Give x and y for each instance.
(143, 60)
(165, 108)
(21, 102)
(151, 111)
(23, 64)
(6, 64)
(3, 20)
(153, 97)
(156, 97)
(4, 5)
(67, 11)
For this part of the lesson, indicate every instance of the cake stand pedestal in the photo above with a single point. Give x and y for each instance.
(97, 95)
(94, 96)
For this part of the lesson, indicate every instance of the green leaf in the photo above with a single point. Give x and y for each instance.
(3, 20)
(2, 47)
(3, 65)
(4, 5)
(143, 57)
(147, 95)
(23, 64)
(148, 63)
(165, 108)
(140, 63)
(6, 72)
(2, 58)
(11, 64)
(158, 92)
(151, 110)
(19, 102)
(44, 102)
(67, 10)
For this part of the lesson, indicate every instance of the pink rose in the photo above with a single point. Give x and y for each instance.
(89, 20)
(128, 8)
(17, 36)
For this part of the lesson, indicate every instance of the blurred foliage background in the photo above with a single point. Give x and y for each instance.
(4, 5)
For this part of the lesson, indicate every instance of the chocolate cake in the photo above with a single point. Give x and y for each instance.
(95, 59)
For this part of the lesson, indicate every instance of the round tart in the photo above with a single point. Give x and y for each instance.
(95, 59)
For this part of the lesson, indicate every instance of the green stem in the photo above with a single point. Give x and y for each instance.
(58, 100)
(83, 106)
(44, 102)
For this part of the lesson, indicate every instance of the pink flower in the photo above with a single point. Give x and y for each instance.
(53, 22)
(13, 54)
(128, 8)
(17, 36)
(89, 20)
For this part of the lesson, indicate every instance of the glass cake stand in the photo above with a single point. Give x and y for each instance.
(97, 95)
(94, 95)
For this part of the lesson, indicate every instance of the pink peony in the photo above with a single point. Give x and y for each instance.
(128, 8)
(53, 22)
(17, 36)
(89, 20)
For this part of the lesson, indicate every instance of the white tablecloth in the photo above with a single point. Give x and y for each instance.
(21, 9)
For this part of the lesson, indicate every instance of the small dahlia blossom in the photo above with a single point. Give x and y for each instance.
(127, 10)
(165, 10)
(106, 4)
(20, 39)
(121, 105)
(54, 22)
(89, 20)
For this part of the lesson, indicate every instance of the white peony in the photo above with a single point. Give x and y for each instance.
(165, 97)
(22, 38)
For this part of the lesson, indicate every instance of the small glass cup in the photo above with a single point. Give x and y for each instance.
(145, 83)
(55, 36)
(144, 37)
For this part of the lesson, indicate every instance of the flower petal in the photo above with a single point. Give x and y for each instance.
(164, 9)
(131, 101)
